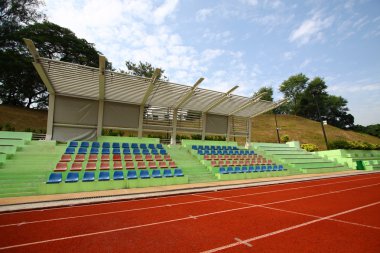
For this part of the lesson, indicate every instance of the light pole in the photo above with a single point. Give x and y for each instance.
(320, 120)
(277, 129)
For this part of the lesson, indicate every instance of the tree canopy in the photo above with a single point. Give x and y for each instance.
(268, 96)
(144, 69)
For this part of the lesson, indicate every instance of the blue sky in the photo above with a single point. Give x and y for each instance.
(250, 43)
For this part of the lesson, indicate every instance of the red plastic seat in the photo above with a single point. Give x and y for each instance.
(172, 164)
(235, 162)
(152, 165)
(167, 158)
(162, 164)
(117, 165)
(129, 165)
(105, 166)
(138, 157)
(207, 157)
(77, 166)
(61, 167)
(228, 162)
(91, 166)
(93, 158)
(116, 157)
(65, 158)
(141, 165)
(128, 158)
(148, 158)
(214, 163)
(158, 157)
(221, 163)
(79, 158)
(105, 157)
(241, 162)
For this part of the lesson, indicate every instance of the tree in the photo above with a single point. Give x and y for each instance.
(19, 82)
(144, 69)
(292, 88)
(268, 96)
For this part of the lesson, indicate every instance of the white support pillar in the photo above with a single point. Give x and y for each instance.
(204, 118)
(50, 119)
(100, 118)
(229, 127)
(249, 136)
(141, 119)
(173, 140)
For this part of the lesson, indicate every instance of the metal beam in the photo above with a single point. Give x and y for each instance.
(173, 139)
(219, 100)
(50, 118)
(252, 100)
(40, 70)
(151, 86)
(102, 77)
(277, 104)
(189, 94)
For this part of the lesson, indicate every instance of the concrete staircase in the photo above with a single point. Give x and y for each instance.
(192, 167)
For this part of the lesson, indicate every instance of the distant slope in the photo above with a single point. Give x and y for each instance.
(263, 127)
(303, 130)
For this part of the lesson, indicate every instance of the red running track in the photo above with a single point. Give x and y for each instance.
(329, 215)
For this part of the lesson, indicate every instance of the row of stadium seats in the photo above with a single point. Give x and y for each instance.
(86, 144)
(232, 157)
(85, 150)
(207, 147)
(116, 165)
(218, 163)
(250, 169)
(89, 176)
(115, 157)
(225, 152)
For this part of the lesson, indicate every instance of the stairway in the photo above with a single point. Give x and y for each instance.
(190, 165)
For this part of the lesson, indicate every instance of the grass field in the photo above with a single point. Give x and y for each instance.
(263, 127)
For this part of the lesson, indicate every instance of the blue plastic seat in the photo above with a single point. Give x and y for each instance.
(118, 175)
(106, 145)
(143, 146)
(104, 176)
(115, 145)
(73, 144)
(82, 151)
(219, 152)
(55, 178)
(116, 151)
(95, 144)
(151, 146)
(156, 174)
(269, 167)
(126, 151)
(84, 144)
(178, 173)
(222, 170)
(72, 177)
(159, 146)
(263, 168)
(145, 152)
(238, 169)
(206, 147)
(280, 167)
(251, 152)
(70, 150)
(131, 174)
(134, 145)
(136, 151)
(275, 168)
(88, 176)
(154, 152)
(163, 152)
(94, 150)
(200, 152)
(229, 148)
(235, 148)
(194, 147)
(257, 168)
(213, 151)
(168, 173)
(244, 169)
(144, 174)
(125, 145)
(236, 152)
(230, 170)
(105, 151)
(224, 152)
(230, 152)
(200, 147)
(251, 169)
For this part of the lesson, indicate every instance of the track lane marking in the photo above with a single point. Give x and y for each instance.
(288, 228)
(169, 205)
(163, 197)
(154, 223)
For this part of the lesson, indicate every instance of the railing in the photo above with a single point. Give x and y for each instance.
(38, 137)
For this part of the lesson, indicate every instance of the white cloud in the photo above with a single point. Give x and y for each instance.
(220, 37)
(250, 2)
(288, 55)
(305, 63)
(203, 14)
(311, 29)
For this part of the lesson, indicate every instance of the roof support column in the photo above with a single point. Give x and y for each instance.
(229, 127)
(141, 119)
(173, 140)
(204, 118)
(50, 118)
(249, 135)
(100, 118)
(102, 91)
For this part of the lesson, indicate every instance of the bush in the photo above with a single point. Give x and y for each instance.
(342, 144)
(309, 147)
(9, 127)
(284, 138)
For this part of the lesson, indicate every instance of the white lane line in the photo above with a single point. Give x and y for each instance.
(162, 206)
(243, 242)
(148, 224)
(288, 228)
(165, 197)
